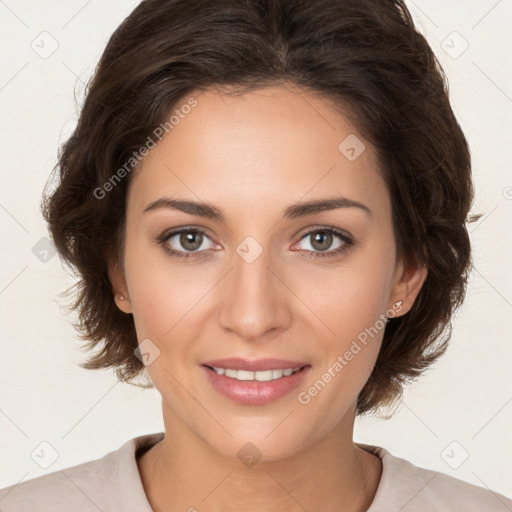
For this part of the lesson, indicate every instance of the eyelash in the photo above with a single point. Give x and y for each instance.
(185, 255)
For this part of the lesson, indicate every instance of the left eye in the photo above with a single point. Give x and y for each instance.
(322, 240)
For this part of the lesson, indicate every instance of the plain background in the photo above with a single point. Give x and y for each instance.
(456, 419)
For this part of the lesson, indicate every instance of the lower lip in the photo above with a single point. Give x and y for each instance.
(253, 392)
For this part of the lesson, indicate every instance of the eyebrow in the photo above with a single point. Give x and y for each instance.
(291, 212)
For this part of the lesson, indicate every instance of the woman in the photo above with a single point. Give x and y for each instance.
(266, 202)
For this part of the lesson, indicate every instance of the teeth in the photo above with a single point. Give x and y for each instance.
(263, 376)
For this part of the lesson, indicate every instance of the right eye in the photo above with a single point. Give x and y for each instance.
(191, 241)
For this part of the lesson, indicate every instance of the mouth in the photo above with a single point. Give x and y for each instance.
(260, 376)
(255, 387)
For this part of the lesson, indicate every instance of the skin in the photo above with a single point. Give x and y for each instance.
(252, 156)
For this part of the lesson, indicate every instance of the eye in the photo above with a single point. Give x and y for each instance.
(322, 239)
(184, 242)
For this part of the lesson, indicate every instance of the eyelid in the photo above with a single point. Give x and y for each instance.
(345, 237)
(172, 232)
(320, 227)
(168, 233)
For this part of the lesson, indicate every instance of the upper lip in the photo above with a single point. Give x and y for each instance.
(236, 363)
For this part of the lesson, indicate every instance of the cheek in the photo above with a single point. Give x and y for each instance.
(347, 357)
(350, 299)
(153, 290)
(161, 291)
(351, 305)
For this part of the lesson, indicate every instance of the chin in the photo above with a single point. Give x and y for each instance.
(251, 449)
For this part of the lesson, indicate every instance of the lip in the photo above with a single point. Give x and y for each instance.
(237, 363)
(255, 392)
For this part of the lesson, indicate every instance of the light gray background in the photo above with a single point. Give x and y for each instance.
(463, 405)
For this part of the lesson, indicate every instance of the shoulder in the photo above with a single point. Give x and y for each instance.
(410, 488)
(82, 487)
(108, 483)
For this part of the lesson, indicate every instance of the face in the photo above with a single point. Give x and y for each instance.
(261, 279)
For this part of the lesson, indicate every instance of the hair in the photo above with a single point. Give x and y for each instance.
(363, 56)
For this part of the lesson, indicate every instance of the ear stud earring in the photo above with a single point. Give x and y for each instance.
(397, 304)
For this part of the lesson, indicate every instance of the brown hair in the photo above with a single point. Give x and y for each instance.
(364, 56)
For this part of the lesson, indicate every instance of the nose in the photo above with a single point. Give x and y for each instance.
(254, 300)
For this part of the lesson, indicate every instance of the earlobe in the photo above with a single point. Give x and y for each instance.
(409, 285)
(118, 281)
(123, 303)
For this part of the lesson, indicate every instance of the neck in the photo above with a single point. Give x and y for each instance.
(182, 472)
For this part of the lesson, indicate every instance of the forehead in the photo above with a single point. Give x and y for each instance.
(272, 146)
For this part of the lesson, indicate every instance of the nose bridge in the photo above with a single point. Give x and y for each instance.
(254, 302)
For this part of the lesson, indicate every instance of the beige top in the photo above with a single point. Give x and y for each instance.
(113, 484)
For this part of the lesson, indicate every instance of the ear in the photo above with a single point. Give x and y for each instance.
(409, 278)
(118, 281)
